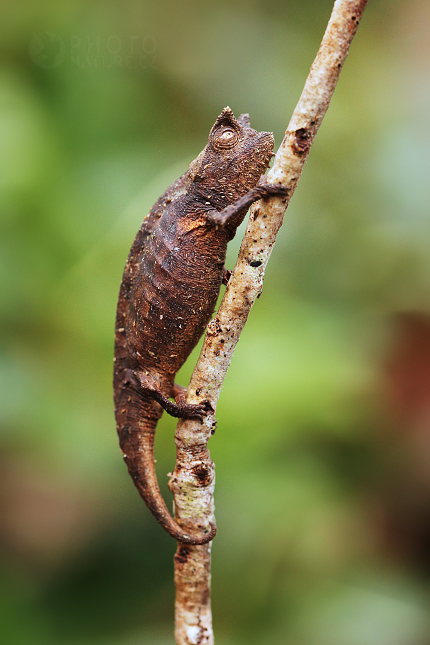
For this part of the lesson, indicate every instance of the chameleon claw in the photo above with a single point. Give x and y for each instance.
(195, 410)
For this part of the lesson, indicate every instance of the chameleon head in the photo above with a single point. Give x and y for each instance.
(234, 158)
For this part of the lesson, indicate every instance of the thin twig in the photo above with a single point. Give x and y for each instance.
(193, 481)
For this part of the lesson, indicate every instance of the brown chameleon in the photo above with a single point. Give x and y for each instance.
(169, 290)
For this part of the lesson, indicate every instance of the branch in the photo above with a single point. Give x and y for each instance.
(193, 481)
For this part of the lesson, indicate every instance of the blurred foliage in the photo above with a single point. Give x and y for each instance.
(322, 447)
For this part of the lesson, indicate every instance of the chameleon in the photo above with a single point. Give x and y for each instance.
(169, 289)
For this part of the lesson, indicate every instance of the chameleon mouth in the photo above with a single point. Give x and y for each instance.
(263, 152)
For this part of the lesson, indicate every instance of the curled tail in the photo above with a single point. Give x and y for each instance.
(136, 438)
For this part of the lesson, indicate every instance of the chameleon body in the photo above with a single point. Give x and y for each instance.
(169, 290)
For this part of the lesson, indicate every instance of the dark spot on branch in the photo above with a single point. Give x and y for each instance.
(255, 263)
(214, 327)
(301, 143)
(202, 473)
(181, 556)
(208, 407)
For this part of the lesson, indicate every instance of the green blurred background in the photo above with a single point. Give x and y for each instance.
(322, 449)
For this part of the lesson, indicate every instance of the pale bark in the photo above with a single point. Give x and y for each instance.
(193, 480)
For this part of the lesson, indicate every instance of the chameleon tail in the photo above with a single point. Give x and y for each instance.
(137, 444)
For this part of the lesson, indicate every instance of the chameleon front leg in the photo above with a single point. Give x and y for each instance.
(262, 190)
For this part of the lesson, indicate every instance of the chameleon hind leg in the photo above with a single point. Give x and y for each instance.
(145, 384)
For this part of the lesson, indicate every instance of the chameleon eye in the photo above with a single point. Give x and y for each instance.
(224, 137)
